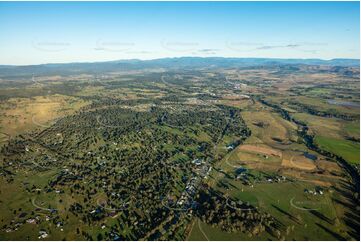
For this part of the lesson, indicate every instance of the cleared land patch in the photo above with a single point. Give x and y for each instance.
(299, 161)
(23, 114)
(349, 150)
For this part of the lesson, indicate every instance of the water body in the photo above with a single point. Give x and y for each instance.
(344, 103)
(310, 156)
(240, 170)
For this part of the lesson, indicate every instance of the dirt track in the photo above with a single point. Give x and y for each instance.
(299, 162)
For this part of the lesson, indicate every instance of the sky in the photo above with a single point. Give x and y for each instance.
(60, 32)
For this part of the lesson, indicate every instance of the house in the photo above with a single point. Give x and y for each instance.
(230, 147)
(31, 221)
(18, 224)
(197, 162)
(244, 96)
(42, 234)
(319, 190)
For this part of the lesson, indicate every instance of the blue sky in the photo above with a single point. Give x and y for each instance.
(38, 32)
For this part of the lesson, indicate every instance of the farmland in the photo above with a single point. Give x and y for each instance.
(196, 153)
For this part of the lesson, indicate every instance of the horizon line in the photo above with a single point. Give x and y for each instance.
(176, 57)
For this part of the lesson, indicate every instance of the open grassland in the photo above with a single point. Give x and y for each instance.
(41, 204)
(349, 150)
(320, 105)
(334, 135)
(273, 150)
(269, 128)
(352, 129)
(302, 216)
(322, 126)
(19, 115)
(254, 156)
(330, 127)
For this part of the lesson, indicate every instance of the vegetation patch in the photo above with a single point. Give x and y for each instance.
(349, 150)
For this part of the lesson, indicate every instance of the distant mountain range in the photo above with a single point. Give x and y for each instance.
(168, 63)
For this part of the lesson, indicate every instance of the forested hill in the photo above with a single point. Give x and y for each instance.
(169, 63)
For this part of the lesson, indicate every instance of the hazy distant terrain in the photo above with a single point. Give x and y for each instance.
(167, 63)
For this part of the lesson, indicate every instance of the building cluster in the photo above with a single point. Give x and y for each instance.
(317, 191)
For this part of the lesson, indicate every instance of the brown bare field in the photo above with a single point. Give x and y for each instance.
(328, 165)
(299, 162)
(259, 157)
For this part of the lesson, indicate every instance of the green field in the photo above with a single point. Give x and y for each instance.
(304, 215)
(353, 129)
(348, 150)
